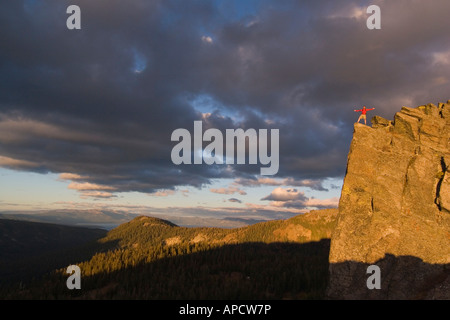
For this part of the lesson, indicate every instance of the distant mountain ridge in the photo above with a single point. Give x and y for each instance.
(90, 218)
(109, 219)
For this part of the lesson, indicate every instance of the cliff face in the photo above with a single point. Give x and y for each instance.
(394, 209)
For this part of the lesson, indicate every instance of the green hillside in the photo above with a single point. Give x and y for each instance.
(149, 258)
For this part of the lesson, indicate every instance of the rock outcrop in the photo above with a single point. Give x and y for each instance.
(394, 210)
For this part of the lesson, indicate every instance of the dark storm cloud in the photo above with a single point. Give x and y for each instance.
(102, 102)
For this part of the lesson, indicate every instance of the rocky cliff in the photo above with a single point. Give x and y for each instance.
(394, 210)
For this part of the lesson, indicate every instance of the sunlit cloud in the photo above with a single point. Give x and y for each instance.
(96, 194)
(17, 163)
(282, 194)
(228, 190)
(92, 190)
(323, 203)
(275, 207)
(293, 198)
(84, 186)
(163, 193)
(71, 176)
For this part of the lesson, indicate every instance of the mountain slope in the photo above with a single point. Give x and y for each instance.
(30, 248)
(150, 258)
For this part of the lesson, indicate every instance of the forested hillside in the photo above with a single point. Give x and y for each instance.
(149, 258)
(29, 249)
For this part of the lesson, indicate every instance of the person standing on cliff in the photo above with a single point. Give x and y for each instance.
(363, 114)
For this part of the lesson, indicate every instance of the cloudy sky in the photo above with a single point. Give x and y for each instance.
(86, 116)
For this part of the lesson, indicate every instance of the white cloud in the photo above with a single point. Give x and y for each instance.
(281, 194)
(207, 39)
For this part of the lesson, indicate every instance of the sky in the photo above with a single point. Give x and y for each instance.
(86, 116)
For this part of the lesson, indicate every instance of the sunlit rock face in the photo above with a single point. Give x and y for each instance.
(394, 209)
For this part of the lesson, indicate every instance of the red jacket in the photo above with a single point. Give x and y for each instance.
(364, 110)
